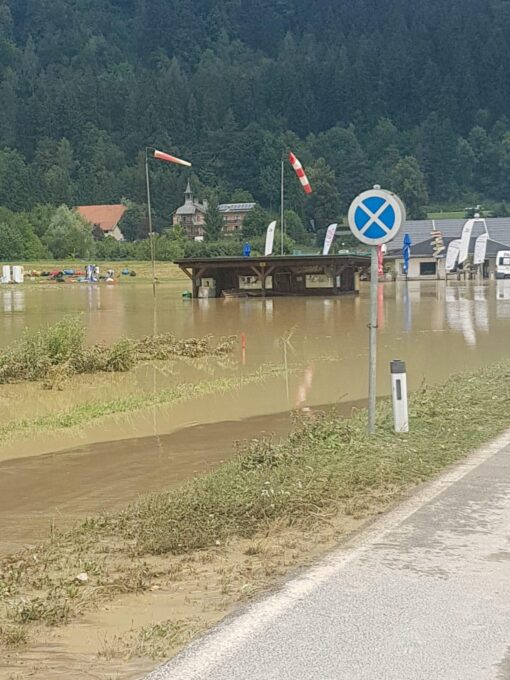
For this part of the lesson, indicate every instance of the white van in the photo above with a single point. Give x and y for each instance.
(503, 264)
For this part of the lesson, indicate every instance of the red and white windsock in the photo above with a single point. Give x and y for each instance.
(300, 173)
(170, 159)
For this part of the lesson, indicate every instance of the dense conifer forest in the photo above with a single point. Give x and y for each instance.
(412, 94)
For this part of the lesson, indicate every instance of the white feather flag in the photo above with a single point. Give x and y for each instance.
(270, 239)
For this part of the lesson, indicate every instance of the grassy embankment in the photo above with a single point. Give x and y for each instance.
(166, 272)
(326, 472)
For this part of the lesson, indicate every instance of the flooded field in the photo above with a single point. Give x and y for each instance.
(293, 353)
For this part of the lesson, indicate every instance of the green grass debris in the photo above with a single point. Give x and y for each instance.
(57, 352)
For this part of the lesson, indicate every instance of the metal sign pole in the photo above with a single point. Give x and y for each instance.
(375, 218)
(372, 347)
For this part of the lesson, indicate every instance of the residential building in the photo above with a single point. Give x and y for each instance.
(234, 215)
(191, 215)
(104, 217)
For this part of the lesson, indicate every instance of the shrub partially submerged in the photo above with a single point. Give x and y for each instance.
(59, 351)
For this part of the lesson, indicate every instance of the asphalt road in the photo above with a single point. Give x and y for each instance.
(423, 594)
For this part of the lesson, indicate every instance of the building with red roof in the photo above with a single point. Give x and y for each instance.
(104, 217)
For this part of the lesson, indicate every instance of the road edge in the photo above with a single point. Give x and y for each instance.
(202, 655)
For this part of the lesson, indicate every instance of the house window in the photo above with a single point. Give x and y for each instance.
(428, 268)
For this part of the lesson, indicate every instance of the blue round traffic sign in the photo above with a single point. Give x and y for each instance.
(375, 216)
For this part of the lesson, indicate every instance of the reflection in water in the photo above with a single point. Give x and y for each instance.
(481, 309)
(408, 310)
(320, 345)
(380, 306)
(304, 386)
(503, 299)
(459, 313)
(13, 300)
(93, 296)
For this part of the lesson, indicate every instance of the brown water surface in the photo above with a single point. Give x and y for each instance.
(319, 345)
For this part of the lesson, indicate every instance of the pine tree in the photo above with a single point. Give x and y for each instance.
(213, 223)
(408, 182)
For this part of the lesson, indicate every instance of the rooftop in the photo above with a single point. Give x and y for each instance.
(106, 217)
(419, 230)
(235, 207)
(425, 249)
(190, 208)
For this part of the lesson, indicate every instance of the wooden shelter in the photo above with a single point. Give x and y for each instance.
(274, 275)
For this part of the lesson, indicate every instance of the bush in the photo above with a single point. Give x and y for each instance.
(110, 249)
(69, 235)
(58, 351)
(224, 248)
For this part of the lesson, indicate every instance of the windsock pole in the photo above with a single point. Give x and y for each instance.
(282, 226)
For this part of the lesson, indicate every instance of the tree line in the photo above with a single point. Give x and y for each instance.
(46, 233)
(409, 94)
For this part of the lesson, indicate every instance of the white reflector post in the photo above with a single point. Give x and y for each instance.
(399, 395)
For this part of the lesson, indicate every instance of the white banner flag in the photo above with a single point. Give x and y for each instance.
(480, 249)
(452, 255)
(465, 240)
(270, 239)
(330, 235)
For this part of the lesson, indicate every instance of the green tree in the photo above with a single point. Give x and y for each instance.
(134, 225)
(408, 182)
(12, 246)
(17, 238)
(255, 223)
(294, 227)
(504, 166)
(343, 153)
(69, 235)
(324, 201)
(241, 196)
(15, 185)
(213, 222)
(39, 218)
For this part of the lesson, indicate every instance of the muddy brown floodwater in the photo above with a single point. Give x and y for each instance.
(318, 345)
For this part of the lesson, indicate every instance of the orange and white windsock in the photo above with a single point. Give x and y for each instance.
(300, 173)
(170, 159)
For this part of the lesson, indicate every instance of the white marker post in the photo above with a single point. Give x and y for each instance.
(399, 395)
(375, 217)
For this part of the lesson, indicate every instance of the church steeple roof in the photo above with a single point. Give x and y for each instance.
(188, 194)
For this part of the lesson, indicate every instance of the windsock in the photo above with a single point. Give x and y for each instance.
(298, 168)
(162, 156)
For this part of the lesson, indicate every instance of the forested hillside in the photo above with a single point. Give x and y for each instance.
(364, 91)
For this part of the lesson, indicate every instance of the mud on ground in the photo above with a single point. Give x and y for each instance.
(177, 598)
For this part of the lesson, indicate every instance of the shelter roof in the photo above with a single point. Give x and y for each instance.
(106, 217)
(356, 259)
